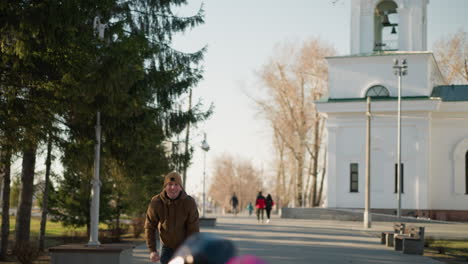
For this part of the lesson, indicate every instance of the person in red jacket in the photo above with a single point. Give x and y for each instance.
(260, 205)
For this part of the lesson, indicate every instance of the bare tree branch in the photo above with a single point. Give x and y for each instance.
(452, 54)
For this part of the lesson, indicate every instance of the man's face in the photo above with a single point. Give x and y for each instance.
(173, 190)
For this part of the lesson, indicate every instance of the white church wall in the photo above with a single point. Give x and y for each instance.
(350, 77)
(413, 25)
(330, 179)
(366, 20)
(448, 130)
(422, 145)
(349, 151)
(350, 148)
(355, 27)
(383, 172)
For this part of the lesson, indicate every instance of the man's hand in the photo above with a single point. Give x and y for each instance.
(154, 256)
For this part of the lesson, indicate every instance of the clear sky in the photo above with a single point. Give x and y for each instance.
(241, 35)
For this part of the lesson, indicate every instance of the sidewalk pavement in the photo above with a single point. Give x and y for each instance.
(315, 241)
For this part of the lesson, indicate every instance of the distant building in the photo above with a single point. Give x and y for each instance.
(434, 151)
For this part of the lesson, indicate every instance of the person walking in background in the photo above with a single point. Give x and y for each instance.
(174, 215)
(260, 205)
(250, 208)
(234, 203)
(268, 205)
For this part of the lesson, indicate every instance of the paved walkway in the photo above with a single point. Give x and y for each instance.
(315, 241)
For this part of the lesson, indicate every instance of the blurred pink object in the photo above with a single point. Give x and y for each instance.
(246, 259)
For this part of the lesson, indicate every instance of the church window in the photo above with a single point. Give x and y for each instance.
(386, 30)
(466, 173)
(354, 177)
(460, 166)
(402, 177)
(377, 91)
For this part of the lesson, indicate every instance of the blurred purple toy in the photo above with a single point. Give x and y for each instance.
(246, 259)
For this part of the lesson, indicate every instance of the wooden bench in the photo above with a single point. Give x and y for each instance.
(412, 241)
(387, 238)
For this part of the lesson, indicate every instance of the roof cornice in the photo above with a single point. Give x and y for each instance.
(412, 105)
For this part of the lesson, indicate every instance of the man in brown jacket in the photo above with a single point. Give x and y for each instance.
(174, 214)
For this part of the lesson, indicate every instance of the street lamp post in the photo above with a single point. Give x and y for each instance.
(96, 182)
(95, 191)
(399, 70)
(205, 147)
(367, 204)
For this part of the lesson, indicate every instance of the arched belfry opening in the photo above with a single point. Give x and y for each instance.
(386, 20)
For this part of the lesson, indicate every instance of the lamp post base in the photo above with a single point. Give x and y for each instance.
(78, 253)
(207, 221)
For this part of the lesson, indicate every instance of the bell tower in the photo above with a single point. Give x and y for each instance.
(388, 25)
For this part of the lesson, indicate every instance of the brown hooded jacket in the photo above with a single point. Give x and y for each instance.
(174, 219)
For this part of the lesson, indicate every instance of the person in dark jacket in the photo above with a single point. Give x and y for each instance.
(268, 205)
(234, 203)
(260, 205)
(174, 214)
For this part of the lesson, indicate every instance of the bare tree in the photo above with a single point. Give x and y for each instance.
(294, 79)
(280, 188)
(452, 56)
(234, 175)
(324, 170)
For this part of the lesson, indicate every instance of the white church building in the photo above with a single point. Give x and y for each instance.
(434, 118)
